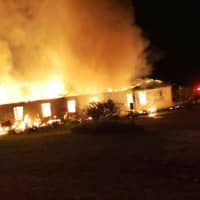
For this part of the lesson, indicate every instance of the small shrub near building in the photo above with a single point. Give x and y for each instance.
(103, 110)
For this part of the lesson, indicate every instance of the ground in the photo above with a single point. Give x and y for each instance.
(161, 162)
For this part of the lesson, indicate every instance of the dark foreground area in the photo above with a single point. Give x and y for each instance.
(160, 162)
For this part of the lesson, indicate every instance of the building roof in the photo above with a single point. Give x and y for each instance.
(150, 84)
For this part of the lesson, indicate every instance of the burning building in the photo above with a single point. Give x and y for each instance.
(146, 96)
(152, 96)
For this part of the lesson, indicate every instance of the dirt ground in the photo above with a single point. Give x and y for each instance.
(163, 162)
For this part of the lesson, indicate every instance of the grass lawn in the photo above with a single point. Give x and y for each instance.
(153, 164)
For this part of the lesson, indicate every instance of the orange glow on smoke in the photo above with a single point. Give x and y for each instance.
(3, 98)
(84, 51)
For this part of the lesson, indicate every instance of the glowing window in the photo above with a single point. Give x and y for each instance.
(129, 98)
(46, 109)
(110, 90)
(71, 105)
(18, 112)
(142, 98)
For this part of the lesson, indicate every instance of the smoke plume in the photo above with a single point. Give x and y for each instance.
(86, 44)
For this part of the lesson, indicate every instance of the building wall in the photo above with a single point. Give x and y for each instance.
(119, 97)
(59, 107)
(33, 109)
(153, 99)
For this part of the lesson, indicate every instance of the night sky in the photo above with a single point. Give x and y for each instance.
(174, 31)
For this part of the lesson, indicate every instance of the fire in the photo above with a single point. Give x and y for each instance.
(41, 54)
(53, 89)
(9, 93)
(30, 91)
(3, 131)
(27, 122)
(88, 55)
(152, 112)
(32, 122)
(48, 90)
(19, 126)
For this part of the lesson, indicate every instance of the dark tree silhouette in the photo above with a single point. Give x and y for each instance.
(103, 110)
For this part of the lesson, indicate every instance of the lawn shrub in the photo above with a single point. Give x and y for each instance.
(103, 110)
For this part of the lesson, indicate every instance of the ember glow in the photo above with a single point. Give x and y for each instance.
(51, 47)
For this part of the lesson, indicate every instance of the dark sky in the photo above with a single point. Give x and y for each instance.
(174, 30)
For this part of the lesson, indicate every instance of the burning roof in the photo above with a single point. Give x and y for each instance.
(149, 84)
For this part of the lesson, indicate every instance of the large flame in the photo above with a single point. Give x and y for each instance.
(49, 47)
(10, 93)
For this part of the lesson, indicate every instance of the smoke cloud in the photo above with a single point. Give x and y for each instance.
(88, 45)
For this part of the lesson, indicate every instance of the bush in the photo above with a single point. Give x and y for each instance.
(103, 110)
